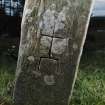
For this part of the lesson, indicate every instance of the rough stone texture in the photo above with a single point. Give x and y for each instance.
(48, 20)
(45, 45)
(52, 38)
(59, 47)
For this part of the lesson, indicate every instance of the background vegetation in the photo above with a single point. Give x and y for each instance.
(90, 84)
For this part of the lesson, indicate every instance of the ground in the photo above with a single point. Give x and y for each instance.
(89, 87)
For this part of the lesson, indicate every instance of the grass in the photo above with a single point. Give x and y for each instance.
(89, 88)
(90, 84)
(5, 78)
(7, 71)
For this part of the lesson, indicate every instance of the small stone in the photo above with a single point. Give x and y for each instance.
(49, 79)
(31, 58)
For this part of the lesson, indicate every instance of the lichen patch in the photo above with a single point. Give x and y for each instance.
(59, 46)
(31, 58)
(27, 12)
(49, 79)
(75, 46)
(37, 73)
(60, 21)
(48, 20)
(53, 21)
(45, 44)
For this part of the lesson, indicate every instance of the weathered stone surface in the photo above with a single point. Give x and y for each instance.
(48, 66)
(31, 58)
(49, 79)
(45, 45)
(53, 34)
(55, 22)
(48, 20)
(59, 47)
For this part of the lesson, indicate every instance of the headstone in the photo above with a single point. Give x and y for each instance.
(52, 39)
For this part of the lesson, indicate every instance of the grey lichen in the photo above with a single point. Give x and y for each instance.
(53, 20)
(59, 45)
(45, 44)
(31, 58)
(60, 21)
(75, 46)
(48, 20)
(37, 74)
(49, 79)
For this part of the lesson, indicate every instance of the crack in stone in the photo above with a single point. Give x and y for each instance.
(39, 64)
(55, 36)
(50, 58)
(50, 48)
